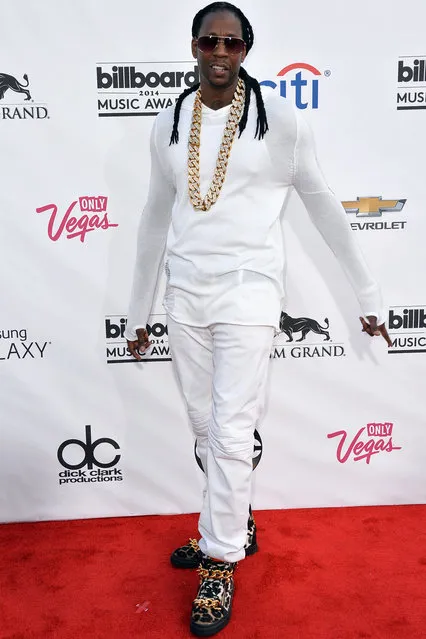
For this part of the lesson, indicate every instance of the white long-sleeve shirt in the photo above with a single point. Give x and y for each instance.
(227, 264)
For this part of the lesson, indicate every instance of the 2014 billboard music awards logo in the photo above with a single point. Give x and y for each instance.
(313, 339)
(411, 94)
(300, 82)
(99, 464)
(369, 209)
(141, 88)
(69, 224)
(116, 344)
(13, 89)
(15, 344)
(370, 440)
(407, 329)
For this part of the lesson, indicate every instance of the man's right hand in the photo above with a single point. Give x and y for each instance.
(139, 345)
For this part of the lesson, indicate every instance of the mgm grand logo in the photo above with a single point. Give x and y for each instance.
(307, 332)
(9, 86)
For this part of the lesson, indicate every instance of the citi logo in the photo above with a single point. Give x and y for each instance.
(303, 86)
(126, 77)
(414, 71)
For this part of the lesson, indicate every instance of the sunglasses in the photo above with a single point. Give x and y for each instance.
(233, 46)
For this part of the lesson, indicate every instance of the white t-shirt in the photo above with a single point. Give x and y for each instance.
(227, 264)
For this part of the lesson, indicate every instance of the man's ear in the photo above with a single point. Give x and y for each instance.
(194, 47)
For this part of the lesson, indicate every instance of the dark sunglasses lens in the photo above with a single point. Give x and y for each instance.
(234, 45)
(207, 44)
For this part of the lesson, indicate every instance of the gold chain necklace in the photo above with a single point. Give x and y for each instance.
(237, 106)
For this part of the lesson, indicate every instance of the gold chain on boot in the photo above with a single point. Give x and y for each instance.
(214, 573)
(237, 106)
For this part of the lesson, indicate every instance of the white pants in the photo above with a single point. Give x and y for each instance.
(222, 371)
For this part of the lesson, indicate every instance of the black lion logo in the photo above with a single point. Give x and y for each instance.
(290, 325)
(9, 82)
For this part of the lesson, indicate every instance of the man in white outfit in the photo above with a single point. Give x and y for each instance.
(223, 162)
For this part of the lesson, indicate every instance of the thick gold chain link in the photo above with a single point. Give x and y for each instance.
(237, 106)
(194, 544)
(208, 603)
(212, 573)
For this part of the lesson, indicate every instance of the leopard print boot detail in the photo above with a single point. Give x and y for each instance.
(189, 556)
(251, 544)
(211, 609)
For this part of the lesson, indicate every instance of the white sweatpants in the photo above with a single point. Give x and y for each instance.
(222, 371)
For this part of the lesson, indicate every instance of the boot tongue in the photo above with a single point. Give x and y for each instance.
(217, 561)
(216, 564)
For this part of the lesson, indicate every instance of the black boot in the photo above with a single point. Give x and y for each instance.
(211, 609)
(189, 556)
(251, 543)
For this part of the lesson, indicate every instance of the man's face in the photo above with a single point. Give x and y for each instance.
(219, 68)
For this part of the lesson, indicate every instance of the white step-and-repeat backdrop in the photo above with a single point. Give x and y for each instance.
(86, 432)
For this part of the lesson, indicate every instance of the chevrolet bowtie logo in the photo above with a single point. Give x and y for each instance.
(372, 206)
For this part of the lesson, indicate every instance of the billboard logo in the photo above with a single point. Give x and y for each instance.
(407, 329)
(141, 88)
(116, 344)
(411, 83)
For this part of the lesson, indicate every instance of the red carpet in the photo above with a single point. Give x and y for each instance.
(320, 574)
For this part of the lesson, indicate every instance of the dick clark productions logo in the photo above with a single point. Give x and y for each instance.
(93, 217)
(370, 440)
(97, 468)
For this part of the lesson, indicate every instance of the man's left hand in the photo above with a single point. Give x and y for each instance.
(372, 329)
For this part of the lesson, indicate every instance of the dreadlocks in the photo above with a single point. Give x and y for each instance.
(250, 83)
